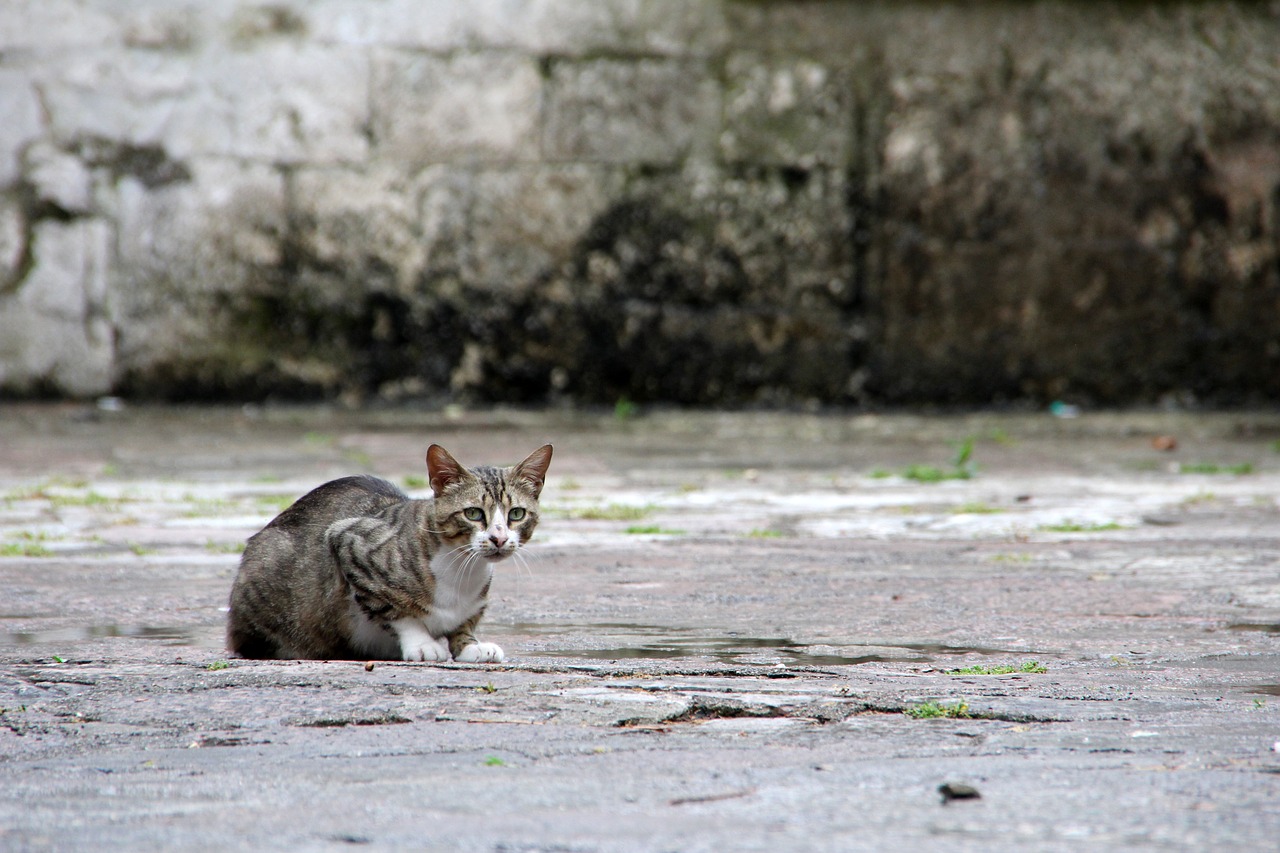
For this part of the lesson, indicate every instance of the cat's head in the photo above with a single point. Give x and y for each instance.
(490, 512)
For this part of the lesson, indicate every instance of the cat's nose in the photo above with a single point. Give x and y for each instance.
(498, 536)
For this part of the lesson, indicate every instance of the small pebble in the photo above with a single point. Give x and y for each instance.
(368, 666)
(957, 791)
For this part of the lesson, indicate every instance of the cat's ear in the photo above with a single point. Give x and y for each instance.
(533, 470)
(442, 469)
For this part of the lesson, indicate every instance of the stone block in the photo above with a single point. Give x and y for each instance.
(188, 250)
(59, 178)
(361, 225)
(629, 111)
(55, 326)
(22, 122)
(466, 108)
(13, 240)
(40, 26)
(793, 112)
(440, 26)
(129, 96)
(559, 27)
(526, 220)
(280, 101)
(693, 28)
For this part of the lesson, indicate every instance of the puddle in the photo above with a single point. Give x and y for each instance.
(168, 636)
(1264, 627)
(655, 642)
(722, 650)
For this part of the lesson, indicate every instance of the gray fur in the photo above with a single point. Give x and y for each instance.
(355, 569)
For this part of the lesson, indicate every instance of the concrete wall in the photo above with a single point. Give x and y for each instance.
(689, 200)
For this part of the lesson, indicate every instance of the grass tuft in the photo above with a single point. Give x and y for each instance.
(611, 512)
(24, 549)
(653, 529)
(1211, 468)
(1031, 666)
(1078, 527)
(936, 710)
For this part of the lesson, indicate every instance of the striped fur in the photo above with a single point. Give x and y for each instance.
(355, 569)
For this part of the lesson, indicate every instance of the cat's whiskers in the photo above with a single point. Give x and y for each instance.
(521, 562)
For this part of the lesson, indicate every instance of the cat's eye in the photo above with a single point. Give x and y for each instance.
(474, 513)
(517, 513)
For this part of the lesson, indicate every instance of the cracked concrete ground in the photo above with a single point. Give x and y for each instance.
(734, 631)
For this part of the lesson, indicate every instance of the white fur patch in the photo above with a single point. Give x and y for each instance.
(459, 594)
(481, 653)
(417, 643)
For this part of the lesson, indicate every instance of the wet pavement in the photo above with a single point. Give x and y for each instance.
(733, 631)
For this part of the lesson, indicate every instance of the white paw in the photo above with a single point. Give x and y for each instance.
(428, 650)
(481, 653)
(416, 642)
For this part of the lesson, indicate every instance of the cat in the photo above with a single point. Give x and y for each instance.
(357, 570)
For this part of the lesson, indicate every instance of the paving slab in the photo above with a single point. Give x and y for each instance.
(734, 631)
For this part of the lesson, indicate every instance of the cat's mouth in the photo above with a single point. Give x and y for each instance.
(496, 556)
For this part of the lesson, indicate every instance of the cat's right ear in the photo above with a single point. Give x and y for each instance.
(442, 469)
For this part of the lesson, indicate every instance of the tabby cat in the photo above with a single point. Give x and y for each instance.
(355, 569)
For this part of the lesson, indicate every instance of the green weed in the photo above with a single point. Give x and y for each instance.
(652, 529)
(624, 410)
(88, 499)
(930, 474)
(1030, 666)
(494, 761)
(1211, 468)
(1077, 527)
(764, 534)
(415, 481)
(224, 547)
(936, 710)
(962, 467)
(975, 509)
(611, 512)
(218, 665)
(24, 549)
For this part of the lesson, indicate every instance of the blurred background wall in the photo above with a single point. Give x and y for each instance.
(694, 201)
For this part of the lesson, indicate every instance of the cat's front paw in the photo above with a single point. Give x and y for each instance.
(481, 653)
(429, 650)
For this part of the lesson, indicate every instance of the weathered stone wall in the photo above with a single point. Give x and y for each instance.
(689, 200)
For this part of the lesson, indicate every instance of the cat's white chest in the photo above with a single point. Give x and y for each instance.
(459, 592)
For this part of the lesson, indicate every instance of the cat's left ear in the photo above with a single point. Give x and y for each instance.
(442, 469)
(533, 470)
